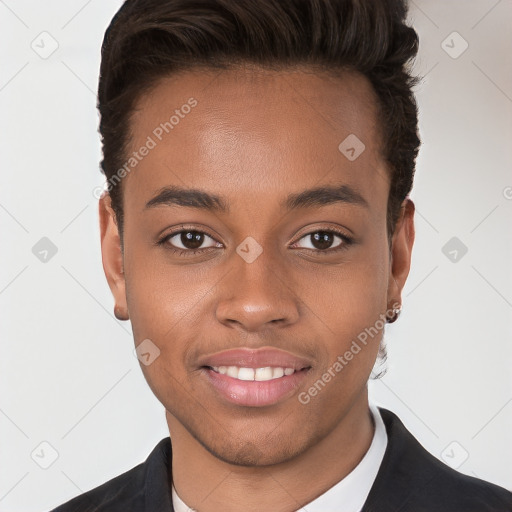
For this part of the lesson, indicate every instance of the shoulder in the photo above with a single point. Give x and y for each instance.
(411, 479)
(131, 490)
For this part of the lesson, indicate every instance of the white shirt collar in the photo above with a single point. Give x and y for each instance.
(350, 492)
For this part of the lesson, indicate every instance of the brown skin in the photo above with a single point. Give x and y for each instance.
(255, 137)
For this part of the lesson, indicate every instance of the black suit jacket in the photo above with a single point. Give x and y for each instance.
(409, 480)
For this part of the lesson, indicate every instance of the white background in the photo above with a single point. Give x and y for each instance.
(67, 371)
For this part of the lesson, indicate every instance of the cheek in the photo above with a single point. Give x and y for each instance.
(163, 298)
(159, 291)
(173, 306)
(348, 298)
(351, 313)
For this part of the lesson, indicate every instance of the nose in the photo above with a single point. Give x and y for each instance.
(255, 296)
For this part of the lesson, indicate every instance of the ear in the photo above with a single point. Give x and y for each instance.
(112, 257)
(401, 250)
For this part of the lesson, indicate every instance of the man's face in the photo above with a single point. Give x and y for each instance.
(306, 278)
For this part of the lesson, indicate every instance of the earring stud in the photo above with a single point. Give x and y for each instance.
(396, 313)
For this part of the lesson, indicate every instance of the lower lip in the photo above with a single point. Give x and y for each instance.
(253, 393)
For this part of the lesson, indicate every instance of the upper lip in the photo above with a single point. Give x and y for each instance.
(255, 358)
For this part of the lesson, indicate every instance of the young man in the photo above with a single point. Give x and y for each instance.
(258, 234)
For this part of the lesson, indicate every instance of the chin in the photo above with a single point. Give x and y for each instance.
(252, 455)
(261, 452)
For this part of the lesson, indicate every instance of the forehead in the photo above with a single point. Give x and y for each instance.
(249, 131)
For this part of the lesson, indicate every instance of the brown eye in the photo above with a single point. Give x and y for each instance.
(190, 240)
(324, 241)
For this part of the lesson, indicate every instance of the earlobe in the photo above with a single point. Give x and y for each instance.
(112, 257)
(401, 252)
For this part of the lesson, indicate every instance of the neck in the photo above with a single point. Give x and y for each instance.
(209, 484)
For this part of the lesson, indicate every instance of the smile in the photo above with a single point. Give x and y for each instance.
(257, 374)
(254, 387)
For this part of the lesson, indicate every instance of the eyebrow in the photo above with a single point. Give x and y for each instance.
(188, 197)
(310, 198)
(321, 196)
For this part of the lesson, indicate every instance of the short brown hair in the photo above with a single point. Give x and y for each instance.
(150, 39)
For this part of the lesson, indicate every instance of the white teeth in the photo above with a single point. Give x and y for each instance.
(232, 371)
(245, 373)
(277, 372)
(258, 374)
(263, 374)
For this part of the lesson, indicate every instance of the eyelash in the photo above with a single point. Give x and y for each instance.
(346, 242)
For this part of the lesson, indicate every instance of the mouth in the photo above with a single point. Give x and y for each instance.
(266, 373)
(254, 377)
(254, 387)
